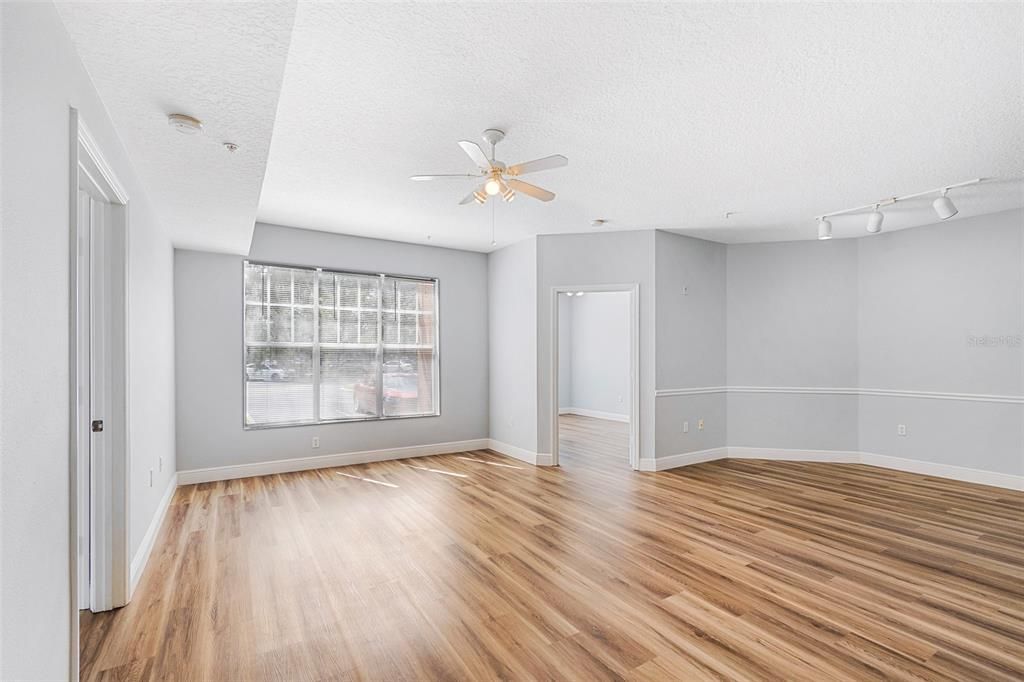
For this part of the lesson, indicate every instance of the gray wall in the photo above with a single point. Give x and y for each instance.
(691, 341)
(41, 77)
(924, 293)
(208, 292)
(899, 311)
(603, 258)
(792, 322)
(597, 353)
(512, 320)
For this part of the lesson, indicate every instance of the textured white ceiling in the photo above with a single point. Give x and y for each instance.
(220, 62)
(670, 115)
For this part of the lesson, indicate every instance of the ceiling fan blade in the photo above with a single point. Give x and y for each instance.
(531, 190)
(548, 162)
(474, 152)
(420, 178)
(471, 196)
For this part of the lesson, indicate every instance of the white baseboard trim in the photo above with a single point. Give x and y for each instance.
(682, 459)
(596, 414)
(281, 466)
(522, 454)
(915, 466)
(141, 557)
(836, 456)
(957, 473)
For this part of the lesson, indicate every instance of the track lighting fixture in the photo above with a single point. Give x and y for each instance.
(875, 221)
(824, 229)
(944, 207)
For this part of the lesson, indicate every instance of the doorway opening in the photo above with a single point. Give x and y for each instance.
(595, 380)
(100, 575)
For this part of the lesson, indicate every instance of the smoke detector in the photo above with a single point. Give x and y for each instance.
(185, 124)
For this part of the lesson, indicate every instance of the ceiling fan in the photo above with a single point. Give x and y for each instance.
(499, 178)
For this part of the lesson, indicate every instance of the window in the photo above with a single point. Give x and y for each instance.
(319, 343)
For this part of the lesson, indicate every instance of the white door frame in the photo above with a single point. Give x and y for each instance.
(108, 522)
(633, 289)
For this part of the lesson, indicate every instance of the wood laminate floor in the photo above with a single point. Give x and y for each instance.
(473, 566)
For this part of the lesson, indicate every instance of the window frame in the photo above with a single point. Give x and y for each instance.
(318, 270)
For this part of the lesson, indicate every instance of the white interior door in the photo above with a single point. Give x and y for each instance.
(100, 363)
(83, 401)
(99, 461)
(101, 399)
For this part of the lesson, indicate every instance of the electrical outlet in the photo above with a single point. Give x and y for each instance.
(700, 425)
(686, 427)
(150, 478)
(316, 441)
(901, 429)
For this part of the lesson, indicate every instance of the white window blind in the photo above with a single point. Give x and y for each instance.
(324, 346)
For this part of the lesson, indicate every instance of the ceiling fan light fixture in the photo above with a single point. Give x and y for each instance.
(499, 178)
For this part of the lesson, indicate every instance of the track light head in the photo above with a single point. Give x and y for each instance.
(824, 229)
(944, 207)
(875, 219)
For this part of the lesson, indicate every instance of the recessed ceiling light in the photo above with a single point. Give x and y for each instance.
(231, 146)
(186, 124)
(579, 293)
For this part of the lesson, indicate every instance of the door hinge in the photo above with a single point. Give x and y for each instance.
(97, 425)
